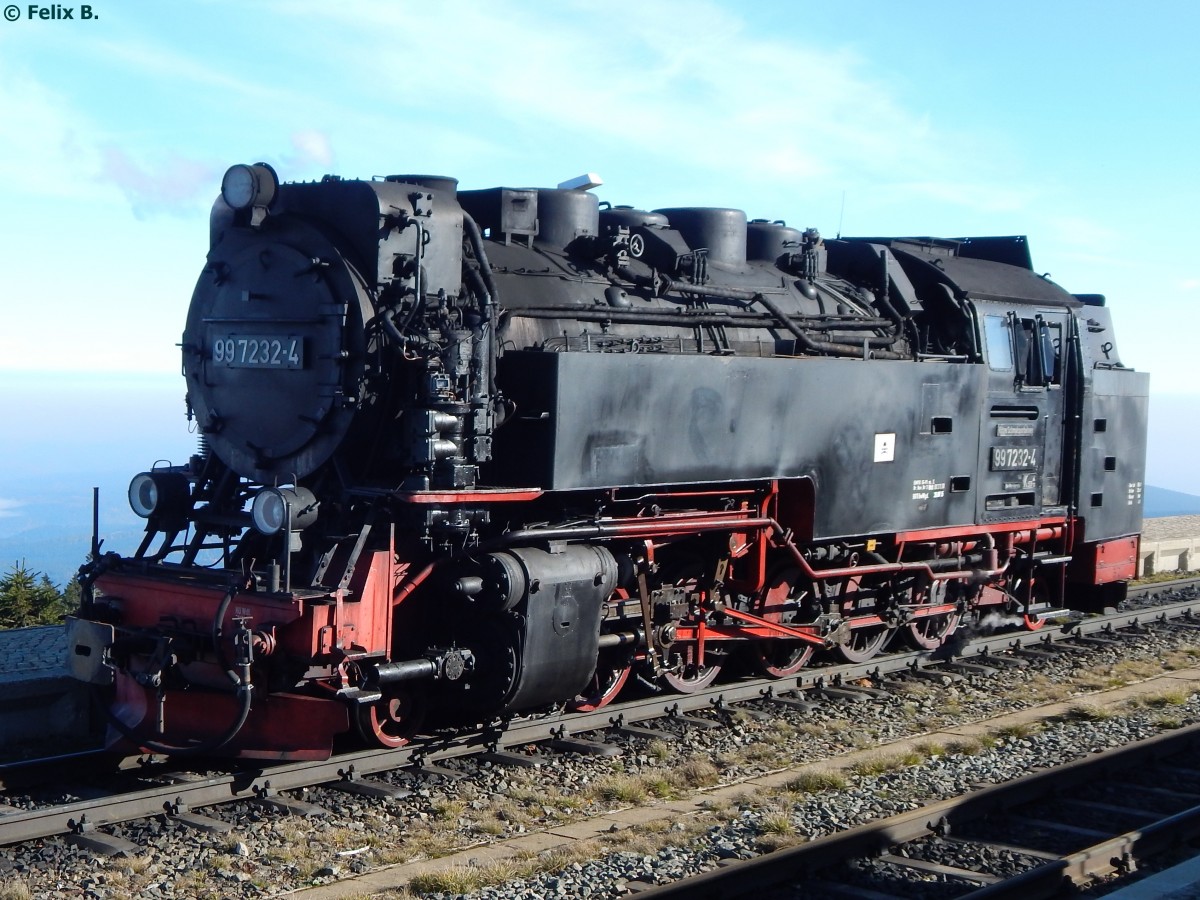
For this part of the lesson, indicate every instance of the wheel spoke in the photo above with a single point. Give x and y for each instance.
(864, 643)
(391, 721)
(606, 682)
(931, 632)
(776, 657)
(684, 673)
(686, 677)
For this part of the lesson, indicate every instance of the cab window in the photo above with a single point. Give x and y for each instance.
(999, 343)
(1037, 346)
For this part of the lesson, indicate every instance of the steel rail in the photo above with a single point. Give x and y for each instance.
(772, 870)
(248, 783)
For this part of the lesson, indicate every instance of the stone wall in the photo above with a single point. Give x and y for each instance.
(1170, 544)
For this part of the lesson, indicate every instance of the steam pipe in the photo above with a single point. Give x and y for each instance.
(403, 591)
(884, 299)
(475, 237)
(818, 346)
(390, 327)
(690, 319)
(489, 297)
(669, 286)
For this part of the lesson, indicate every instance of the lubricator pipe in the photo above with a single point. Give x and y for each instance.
(690, 318)
(683, 524)
(666, 286)
(483, 344)
(649, 528)
(821, 346)
(626, 528)
(992, 567)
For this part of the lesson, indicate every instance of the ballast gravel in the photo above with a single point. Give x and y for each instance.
(867, 798)
(268, 854)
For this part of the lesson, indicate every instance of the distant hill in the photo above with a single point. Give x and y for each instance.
(1161, 502)
(58, 553)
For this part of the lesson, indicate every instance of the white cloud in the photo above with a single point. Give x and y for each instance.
(173, 184)
(56, 147)
(311, 148)
(9, 508)
(171, 65)
(56, 152)
(685, 85)
(46, 141)
(178, 184)
(681, 89)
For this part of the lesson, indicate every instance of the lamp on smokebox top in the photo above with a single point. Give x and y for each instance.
(250, 188)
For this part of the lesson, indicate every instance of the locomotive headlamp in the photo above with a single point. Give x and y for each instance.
(246, 186)
(274, 509)
(160, 493)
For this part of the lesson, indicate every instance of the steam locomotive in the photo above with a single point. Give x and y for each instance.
(475, 453)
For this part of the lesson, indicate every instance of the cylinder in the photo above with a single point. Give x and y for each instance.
(511, 576)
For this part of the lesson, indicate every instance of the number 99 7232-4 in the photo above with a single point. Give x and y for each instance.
(256, 351)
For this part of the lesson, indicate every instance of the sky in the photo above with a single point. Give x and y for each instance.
(1074, 123)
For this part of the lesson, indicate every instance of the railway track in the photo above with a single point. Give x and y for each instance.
(155, 788)
(1033, 825)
